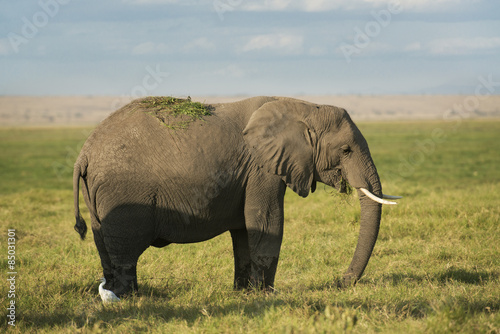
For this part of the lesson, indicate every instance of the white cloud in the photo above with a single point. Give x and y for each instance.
(287, 43)
(232, 71)
(267, 5)
(172, 2)
(200, 44)
(416, 46)
(426, 5)
(463, 46)
(455, 46)
(148, 48)
(326, 5)
(317, 51)
(410, 3)
(195, 46)
(282, 5)
(148, 2)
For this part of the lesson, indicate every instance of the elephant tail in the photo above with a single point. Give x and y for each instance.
(81, 225)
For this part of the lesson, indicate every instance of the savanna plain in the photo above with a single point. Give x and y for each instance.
(435, 267)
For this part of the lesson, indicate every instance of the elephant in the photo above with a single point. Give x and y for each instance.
(151, 177)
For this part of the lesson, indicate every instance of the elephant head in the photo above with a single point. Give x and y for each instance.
(304, 143)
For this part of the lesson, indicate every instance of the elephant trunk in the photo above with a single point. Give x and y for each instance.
(371, 212)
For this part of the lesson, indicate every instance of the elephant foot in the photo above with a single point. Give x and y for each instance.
(122, 282)
(241, 284)
(261, 286)
(257, 277)
(256, 288)
(251, 285)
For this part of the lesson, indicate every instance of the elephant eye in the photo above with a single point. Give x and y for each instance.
(346, 149)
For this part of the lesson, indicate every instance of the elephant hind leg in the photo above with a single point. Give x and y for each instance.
(123, 254)
(125, 279)
(119, 271)
(106, 264)
(127, 232)
(242, 261)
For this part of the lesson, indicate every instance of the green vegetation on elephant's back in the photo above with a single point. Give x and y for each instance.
(174, 112)
(435, 267)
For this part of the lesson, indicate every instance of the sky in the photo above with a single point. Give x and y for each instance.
(242, 47)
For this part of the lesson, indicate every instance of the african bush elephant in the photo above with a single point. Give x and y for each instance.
(153, 176)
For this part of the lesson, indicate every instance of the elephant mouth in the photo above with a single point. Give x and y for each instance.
(340, 183)
(344, 187)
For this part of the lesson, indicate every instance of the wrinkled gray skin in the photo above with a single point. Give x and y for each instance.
(148, 185)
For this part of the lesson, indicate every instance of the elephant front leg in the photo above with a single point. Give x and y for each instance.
(263, 272)
(264, 224)
(242, 261)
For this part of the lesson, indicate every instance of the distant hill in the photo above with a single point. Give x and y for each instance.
(90, 110)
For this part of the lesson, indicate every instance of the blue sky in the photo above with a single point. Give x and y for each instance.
(232, 47)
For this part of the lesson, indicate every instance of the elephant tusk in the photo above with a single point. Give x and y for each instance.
(375, 198)
(391, 197)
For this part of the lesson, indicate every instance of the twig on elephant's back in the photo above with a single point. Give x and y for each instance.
(175, 113)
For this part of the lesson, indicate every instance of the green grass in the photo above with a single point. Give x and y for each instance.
(184, 111)
(435, 267)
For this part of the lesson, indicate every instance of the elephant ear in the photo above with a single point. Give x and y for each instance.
(282, 144)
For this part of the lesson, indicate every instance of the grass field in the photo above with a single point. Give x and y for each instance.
(435, 268)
